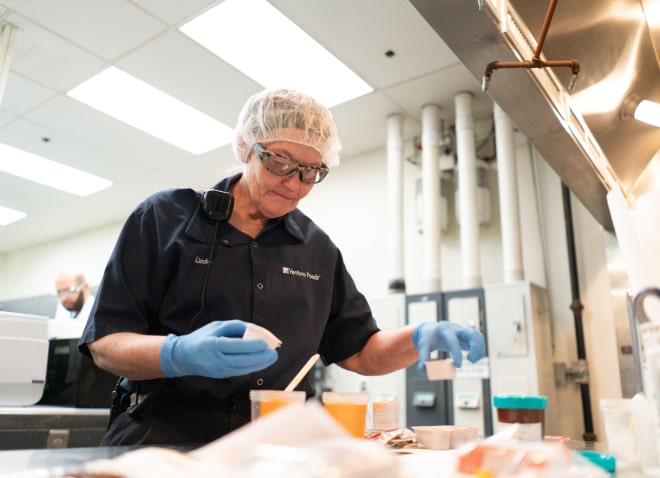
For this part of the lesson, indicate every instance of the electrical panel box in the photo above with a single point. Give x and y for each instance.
(463, 400)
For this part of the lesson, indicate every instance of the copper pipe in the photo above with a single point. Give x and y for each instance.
(544, 30)
(536, 61)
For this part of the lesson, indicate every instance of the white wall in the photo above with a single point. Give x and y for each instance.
(32, 271)
(351, 206)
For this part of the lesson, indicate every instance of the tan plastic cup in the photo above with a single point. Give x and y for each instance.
(385, 414)
(349, 409)
(264, 402)
(433, 437)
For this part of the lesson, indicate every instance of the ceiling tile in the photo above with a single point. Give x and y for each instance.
(362, 124)
(108, 28)
(440, 88)
(47, 58)
(22, 95)
(69, 150)
(341, 25)
(104, 132)
(174, 11)
(182, 68)
(6, 118)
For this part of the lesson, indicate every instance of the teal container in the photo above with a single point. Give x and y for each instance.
(528, 411)
(523, 402)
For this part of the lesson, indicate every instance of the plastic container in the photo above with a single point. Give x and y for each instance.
(440, 369)
(528, 411)
(433, 437)
(264, 402)
(385, 415)
(254, 331)
(619, 426)
(349, 409)
(444, 437)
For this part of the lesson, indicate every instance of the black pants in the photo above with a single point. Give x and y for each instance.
(166, 422)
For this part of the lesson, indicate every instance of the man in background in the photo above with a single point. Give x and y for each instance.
(73, 307)
(72, 379)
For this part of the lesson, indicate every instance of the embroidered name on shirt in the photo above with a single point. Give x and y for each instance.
(293, 272)
(199, 260)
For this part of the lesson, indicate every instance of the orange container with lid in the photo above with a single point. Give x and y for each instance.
(526, 410)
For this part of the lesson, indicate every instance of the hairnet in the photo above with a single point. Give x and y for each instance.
(286, 115)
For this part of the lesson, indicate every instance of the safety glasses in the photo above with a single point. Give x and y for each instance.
(69, 291)
(282, 166)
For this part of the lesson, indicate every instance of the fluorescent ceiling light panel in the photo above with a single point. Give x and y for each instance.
(649, 112)
(7, 216)
(50, 173)
(124, 97)
(257, 39)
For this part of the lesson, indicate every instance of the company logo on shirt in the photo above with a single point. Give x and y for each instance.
(199, 260)
(293, 272)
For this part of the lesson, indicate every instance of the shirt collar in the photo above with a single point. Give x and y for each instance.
(201, 229)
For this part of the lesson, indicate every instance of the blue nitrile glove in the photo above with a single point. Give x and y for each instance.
(448, 337)
(215, 350)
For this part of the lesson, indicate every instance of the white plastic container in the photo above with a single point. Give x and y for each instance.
(620, 431)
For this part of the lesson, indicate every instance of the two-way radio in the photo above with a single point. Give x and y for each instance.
(218, 205)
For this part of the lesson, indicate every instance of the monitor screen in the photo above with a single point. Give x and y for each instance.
(72, 379)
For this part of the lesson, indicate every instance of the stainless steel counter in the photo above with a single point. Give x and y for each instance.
(38, 427)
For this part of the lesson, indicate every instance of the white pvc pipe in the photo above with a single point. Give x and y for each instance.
(467, 190)
(397, 282)
(431, 196)
(508, 196)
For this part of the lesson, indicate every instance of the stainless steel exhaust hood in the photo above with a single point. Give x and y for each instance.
(582, 133)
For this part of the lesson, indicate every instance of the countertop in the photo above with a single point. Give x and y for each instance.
(37, 463)
(46, 426)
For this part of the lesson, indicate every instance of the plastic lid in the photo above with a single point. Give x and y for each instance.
(520, 401)
(606, 462)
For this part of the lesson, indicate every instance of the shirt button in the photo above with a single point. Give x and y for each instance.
(260, 381)
(260, 286)
(225, 241)
(255, 244)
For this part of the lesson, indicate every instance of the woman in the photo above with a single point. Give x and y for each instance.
(185, 278)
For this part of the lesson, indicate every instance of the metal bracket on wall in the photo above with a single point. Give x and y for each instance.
(577, 372)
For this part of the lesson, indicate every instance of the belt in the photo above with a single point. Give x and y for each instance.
(137, 398)
(216, 404)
